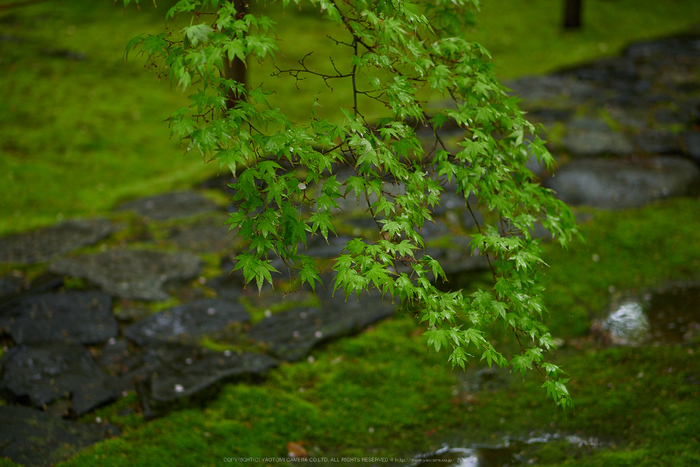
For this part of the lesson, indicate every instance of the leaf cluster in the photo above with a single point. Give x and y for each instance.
(286, 173)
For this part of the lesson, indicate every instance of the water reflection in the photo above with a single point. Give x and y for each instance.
(510, 453)
(668, 316)
(628, 324)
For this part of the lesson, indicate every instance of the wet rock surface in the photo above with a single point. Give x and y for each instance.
(34, 438)
(40, 374)
(48, 243)
(593, 137)
(642, 104)
(170, 205)
(73, 317)
(616, 184)
(292, 334)
(131, 274)
(175, 372)
(186, 323)
(204, 236)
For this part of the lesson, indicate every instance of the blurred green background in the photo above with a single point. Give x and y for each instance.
(80, 129)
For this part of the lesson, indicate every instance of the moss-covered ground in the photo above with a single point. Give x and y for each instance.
(78, 136)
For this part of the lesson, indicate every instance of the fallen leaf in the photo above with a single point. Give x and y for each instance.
(296, 450)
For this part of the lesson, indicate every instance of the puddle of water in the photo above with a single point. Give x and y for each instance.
(473, 457)
(510, 453)
(667, 317)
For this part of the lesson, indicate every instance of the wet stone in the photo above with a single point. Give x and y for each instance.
(43, 373)
(457, 256)
(205, 236)
(131, 274)
(34, 438)
(51, 242)
(46, 282)
(220, 182)
(319, 247)
(691, 141)
(292, 334)
(170, 205)
(174, 372)
(564, 90)
(656, 142)
(591, 137)
(616, 184)
(72, 317)
(186, 323)
(10, 285)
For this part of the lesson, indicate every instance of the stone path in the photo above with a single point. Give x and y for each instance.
(82, 332)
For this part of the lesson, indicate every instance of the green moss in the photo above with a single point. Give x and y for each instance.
(625, 250)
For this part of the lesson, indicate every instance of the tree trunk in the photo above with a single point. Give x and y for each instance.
(236, 69)
(572, 14)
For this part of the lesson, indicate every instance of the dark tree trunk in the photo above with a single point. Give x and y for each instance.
(236, 69)
(572, 14)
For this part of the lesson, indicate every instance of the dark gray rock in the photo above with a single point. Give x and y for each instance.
(220, 182)
(670, 117)
(170, 205)
(172, 373)
(229, 285)
(682, 46)
(205, 236)
(292, 334)
(564, 90)
(319, 247)
(591, 137)
(48, 243)
(433, 230)
(34, 438)
(457, 256)
(46, 282)
(43, 373)
(71, 317)
(186, 323)
(10, 286)
(183, 371)
(131, 274)
(656, 142)
(691, 142)
(616, 184)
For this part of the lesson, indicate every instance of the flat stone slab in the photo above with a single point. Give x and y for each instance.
(45, 244)
(173, 205)
(184, 371)
(292, 334)
(205, 236)
(187, 322)
(44, 373)
(72, 317)
(174, 372)
(691, 141)
(591, 137)
(10, 286)
(131, 274)
(457, 257)
(34, 438)
(616, 184)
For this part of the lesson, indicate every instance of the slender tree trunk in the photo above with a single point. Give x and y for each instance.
(236, 69)
(572, 14)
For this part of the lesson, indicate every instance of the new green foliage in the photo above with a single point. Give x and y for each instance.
(286, 172)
